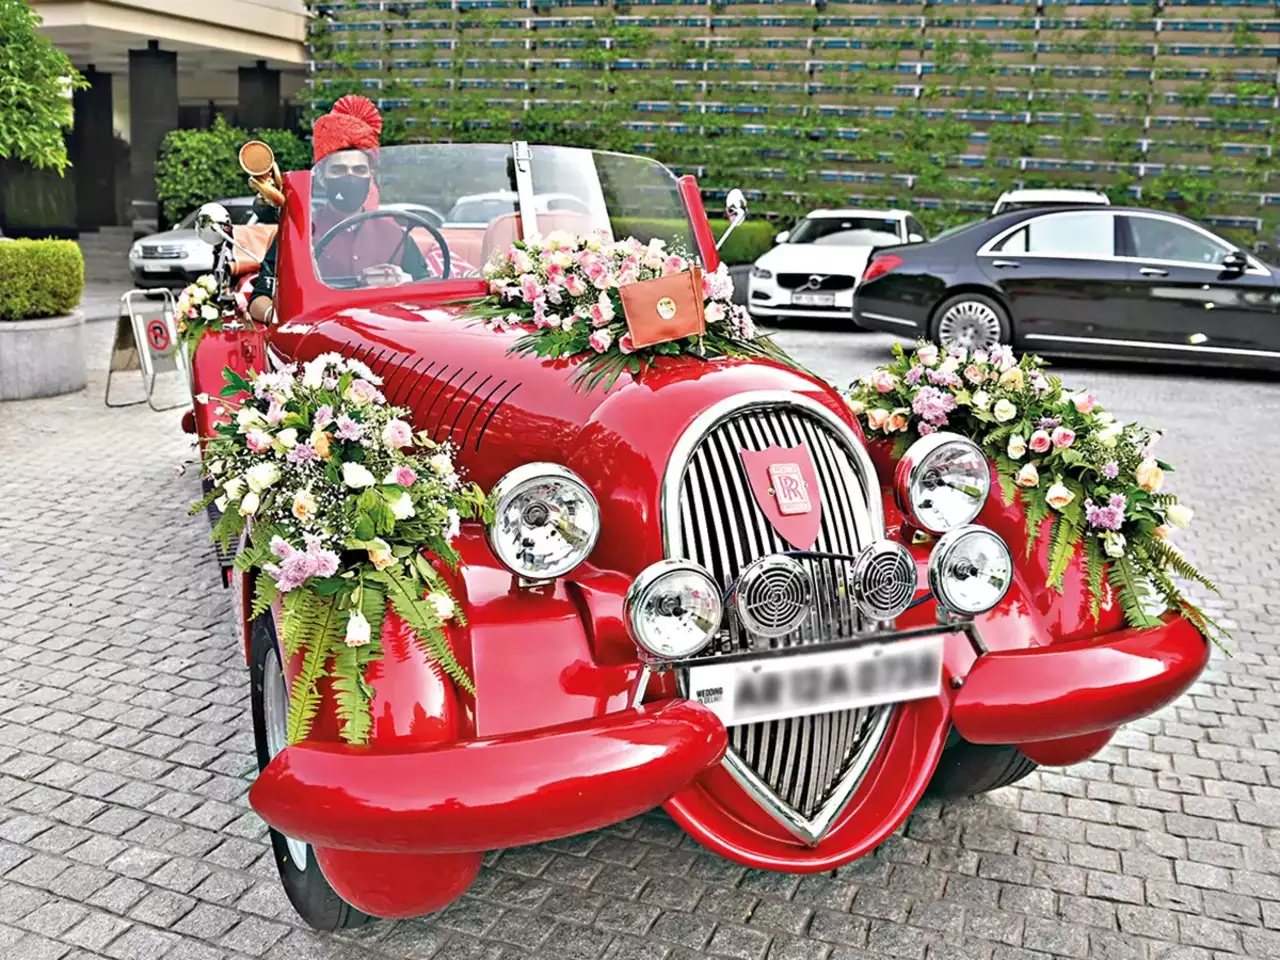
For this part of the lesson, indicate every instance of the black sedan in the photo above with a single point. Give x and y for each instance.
(1098, 282)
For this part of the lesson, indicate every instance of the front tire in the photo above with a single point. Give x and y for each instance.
(967, 769)
(972, 321)
(304, 883)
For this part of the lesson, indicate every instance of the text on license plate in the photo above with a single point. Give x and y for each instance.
(155, 268)
(751, 691)
(813, 299)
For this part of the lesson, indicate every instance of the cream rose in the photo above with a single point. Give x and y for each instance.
(249, 505)
(1058, 496)
(442, 603)
(1179, 515)
(261, 475)
(1017, 448)
(1149, 476)
(1004, 410)
(1029, 476)
(304, 505)
(857, 406)
(356, 476)
(380, 554)
(928, 354)
(1011, 379)
(402, 506)
(898, 421)
(981, 400)
(877, 418)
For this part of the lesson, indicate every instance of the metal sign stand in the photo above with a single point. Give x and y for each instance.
(146, 340)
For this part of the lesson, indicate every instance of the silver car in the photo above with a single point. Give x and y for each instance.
(175, 257)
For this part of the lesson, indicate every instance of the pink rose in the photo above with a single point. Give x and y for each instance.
(884, 381)
(714, 312)
(928, 354)
(877, 418)
(626, 344)
(602, 311)
(973, 373)
(1083, 402)
(600, 340)
(362, 391)
(1040, 441)
(1063, 437)
(673, 264)
(574, 286)
(897, 422)
(397, 434)
(258, 441)
(529, 288)
(404, 476)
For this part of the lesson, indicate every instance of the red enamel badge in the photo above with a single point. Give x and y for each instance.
(785, 484)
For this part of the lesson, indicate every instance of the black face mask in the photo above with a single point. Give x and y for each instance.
(347, 193)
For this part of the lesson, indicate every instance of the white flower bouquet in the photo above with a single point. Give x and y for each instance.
(339, 499)
(203, 306)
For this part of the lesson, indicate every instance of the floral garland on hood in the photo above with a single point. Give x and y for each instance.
(1062, 454)
(566, 287)
(203, 306)
(313, 466)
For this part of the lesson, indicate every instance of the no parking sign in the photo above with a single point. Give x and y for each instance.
(147, 340)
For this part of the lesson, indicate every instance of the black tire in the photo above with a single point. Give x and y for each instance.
(967, 769)
(307, 889)
(978, 302)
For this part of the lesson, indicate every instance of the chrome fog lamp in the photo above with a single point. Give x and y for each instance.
(884, 580)
(673, 609)
(970, 570)
(545, 521)
(942, 482)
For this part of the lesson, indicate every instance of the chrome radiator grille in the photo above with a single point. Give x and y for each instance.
(810, 765)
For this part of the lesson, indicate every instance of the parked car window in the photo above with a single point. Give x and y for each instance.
(1063, 235)
(1157, 239)
(846, 231)
(913, 226)
(482, 210)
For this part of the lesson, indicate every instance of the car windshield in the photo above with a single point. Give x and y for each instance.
(1011, 206)
(241, 213)
(369, 227)
(846, 231)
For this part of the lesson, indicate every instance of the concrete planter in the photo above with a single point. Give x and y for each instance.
(42, 358)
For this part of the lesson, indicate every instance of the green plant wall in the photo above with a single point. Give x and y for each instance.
(937, 106)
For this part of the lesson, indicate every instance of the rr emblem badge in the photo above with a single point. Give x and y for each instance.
(789, 489)
(784, 482)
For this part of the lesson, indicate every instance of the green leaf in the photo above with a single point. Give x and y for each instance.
(1131, 592)
(265, 592)
(406, 599)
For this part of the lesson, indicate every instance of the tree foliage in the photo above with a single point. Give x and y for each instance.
(196, 166)
(36, 82)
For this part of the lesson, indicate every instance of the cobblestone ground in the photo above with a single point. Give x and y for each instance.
(125, 753)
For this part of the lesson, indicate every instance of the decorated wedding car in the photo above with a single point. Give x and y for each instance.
(533, 533)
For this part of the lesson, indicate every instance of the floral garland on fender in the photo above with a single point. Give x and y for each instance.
(1062, 455)
(203, 306)
(314, 466)
(566, 286)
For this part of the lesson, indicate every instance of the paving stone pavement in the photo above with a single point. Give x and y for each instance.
(126, 753)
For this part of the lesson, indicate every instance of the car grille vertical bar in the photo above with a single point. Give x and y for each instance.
(801, 759)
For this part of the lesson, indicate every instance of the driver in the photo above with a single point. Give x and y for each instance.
(378, 251)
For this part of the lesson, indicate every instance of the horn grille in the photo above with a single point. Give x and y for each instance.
(774, 596)
(885, 580)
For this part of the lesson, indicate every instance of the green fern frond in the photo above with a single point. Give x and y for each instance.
(265, 592)
(1164, 553)
(407, 602)
(203, 502)
(1095, 568)
(1036, 510)
(1131, 592)
(352, 694)
(318, 625)
(373, 604)
(228, 529)
(1066, 534)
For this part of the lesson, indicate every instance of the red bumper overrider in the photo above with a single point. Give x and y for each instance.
(1078, 687)
(478, 795)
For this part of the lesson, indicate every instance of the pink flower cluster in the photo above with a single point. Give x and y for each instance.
(297, 566)
(1110, 517)
(933, 405)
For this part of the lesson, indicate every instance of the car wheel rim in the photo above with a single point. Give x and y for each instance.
(970, 324)
(275, 709)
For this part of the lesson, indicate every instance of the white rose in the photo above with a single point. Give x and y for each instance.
(714, 313)
(221, 504)
(313, 374)
(982, 400)
(209, 282)
(1029, 476)
(1058, 496)
(441, 464)
(246, 417)
(454, 525)
(216, 467)
(249, 505)
(288, 439)
(209, 312)
(1179, 515)
(1017, 448)
(358, 632)
(1004, 410)
(261, 475)
(402, 506)
(443, 604)
(356, 476)
(233, 488)
(199, 295)
(1113, 543)
(1108, 435)
(950, 365)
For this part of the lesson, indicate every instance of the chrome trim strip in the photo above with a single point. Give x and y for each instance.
(885, 318)
(1190, 348)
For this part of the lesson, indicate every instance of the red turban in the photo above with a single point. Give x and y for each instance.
(353, 124)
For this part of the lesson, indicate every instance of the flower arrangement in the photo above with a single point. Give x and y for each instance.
(566, 287)
(1058, 451)
(317, 469)
(204, 305)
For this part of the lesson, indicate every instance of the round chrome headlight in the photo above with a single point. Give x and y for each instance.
(942, 482)
(673, 609)
(970, 570)
(545, 521)
(884, 580)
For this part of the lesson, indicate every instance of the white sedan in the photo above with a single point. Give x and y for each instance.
(813, 268)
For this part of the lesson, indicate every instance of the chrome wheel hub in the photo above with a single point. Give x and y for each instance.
(275, 710)
(970, 324)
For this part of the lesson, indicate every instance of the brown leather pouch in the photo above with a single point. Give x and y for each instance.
(669, 308)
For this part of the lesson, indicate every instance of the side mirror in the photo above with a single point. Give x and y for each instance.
(1235, 262)
(213, 224)
(735, 209)
(783, 237)
(914, 238)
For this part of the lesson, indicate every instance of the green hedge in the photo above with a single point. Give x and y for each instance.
(39, 278)
(746, 243)
(196, 166)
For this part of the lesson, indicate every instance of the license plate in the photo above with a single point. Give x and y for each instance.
(751, 691)
(155, 268)
(813, 299)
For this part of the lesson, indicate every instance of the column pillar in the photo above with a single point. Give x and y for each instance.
(153, 112)
(93, 161)
(259, 97)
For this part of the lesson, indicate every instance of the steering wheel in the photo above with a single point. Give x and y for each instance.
(417, 220)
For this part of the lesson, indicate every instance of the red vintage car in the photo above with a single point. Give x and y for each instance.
(779, 635)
